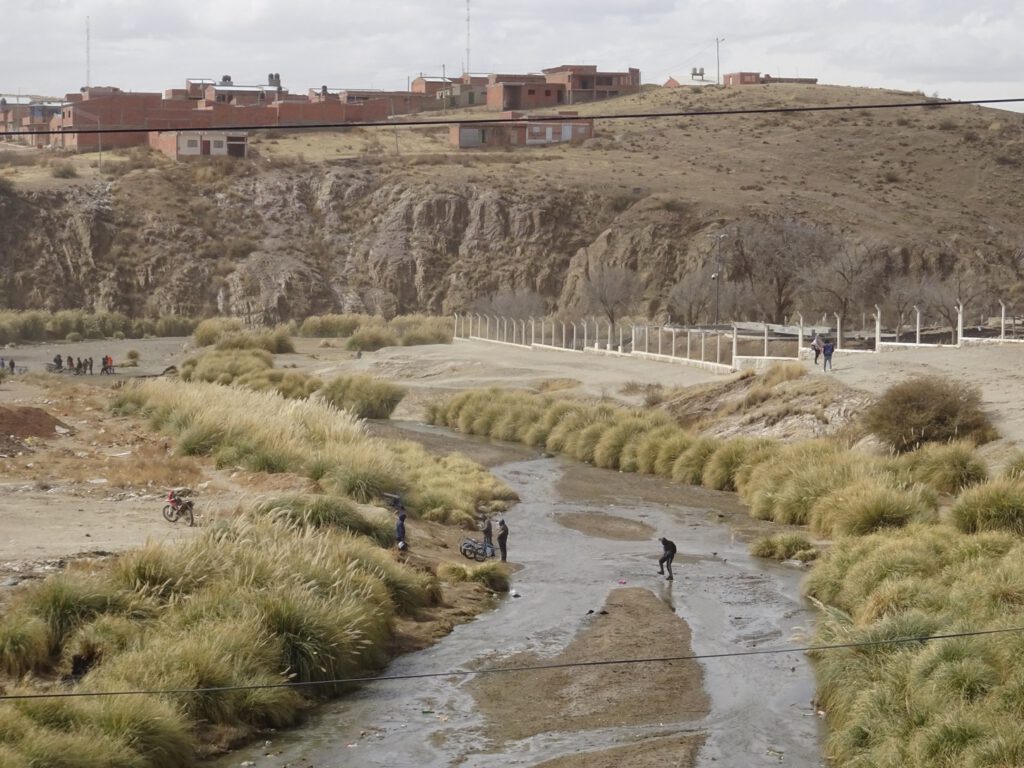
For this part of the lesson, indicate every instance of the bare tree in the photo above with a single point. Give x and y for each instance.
(774, 258)
(902, 293)
(612, 292)
(849, 276)
(943, 294)
(519, 304)
(690, 298)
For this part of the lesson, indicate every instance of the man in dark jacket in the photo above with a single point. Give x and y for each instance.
(488, 538)
(400, 531)
(668, 553)
(503, 539)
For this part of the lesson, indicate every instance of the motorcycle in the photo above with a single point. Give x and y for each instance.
(179, 508)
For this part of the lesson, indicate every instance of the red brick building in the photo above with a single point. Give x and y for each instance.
(756, 78)
(583, 83)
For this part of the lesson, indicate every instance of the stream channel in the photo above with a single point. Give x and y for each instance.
(761, 711)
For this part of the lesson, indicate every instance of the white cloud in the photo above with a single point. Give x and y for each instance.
(959, 50)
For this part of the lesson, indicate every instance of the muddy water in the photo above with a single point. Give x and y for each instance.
(760, 714)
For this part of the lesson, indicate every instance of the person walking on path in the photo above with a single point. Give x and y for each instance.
(10, 364)
(817, 346)
(828, 349)
(668, 554)
(488, 538)
(503, 539)
(400, 531)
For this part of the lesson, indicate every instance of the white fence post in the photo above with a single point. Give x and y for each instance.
(917, 337)
(585, 329)
(611, 329)
(632, 340)
(718, 346)
(688, 345)
(765, 342)
(839, 330)
(661, 332)
(1002, 320)
(620, 338)
(735, 345)
(959, 323)
(533, 332)
(456, 334)
(488, 334)
(563, 333)
(673, 342)
(878, 328)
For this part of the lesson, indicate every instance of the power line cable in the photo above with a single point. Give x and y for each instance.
(524, 668)
(529, 119)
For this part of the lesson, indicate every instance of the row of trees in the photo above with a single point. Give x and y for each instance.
(772, 268)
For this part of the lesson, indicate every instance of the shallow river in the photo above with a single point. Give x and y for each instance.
(761, 710)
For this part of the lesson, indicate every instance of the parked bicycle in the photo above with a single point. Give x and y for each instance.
(179, 508)
(475, 550)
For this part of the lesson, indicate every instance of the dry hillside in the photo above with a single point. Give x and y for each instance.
(394, 220)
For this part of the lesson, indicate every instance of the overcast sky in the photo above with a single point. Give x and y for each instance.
(958, 49)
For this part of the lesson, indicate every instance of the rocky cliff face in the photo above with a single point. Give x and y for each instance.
(279, 244)
(276, 246)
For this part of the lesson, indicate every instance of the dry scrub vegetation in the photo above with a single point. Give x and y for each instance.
(37, 325)
(299, 588)
(367, 333)
(286, 593)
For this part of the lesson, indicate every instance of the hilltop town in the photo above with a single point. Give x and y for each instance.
(205, 116)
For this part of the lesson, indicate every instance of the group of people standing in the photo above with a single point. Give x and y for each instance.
(488, 531)
(7, 364)
(502, 538)
(822, 348)
(83, 365)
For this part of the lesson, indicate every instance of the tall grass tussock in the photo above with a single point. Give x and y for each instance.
(17, 327)
(284, 593)
(942, 703)
(364, 396)
(262, 431)
(368, 332)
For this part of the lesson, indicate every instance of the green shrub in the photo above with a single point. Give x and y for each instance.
(327, 512)
(494, 576)
(365, 396)
(1014, 467)
(689, 467)
(63, 170)
(948, 468)
(870, 505)
(73, 337)
(323, 326)
(210, 331)
(994, 506)
(783, 546)
(371, 338)
(929, 409)
(24, 645)
(721, 468)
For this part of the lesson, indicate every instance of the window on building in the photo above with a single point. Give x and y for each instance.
(193, 143)
(605, 80)
(547, 92)
(218, 144)
(530, 92)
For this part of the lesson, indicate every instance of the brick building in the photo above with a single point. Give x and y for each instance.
(523, 133)
(756, 78)
(583, 83)
(183, 145)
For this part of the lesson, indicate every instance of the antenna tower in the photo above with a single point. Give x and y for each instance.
(88, 55)
(467, 38)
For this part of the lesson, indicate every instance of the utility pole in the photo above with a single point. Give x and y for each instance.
(718, 60)
(467, 37)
